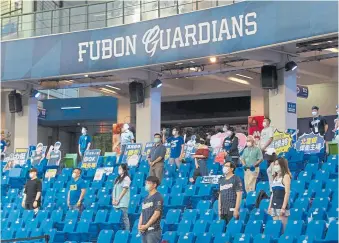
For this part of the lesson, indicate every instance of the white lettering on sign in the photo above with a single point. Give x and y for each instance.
(156, 38)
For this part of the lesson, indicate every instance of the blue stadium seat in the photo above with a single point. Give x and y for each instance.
(264, 204)
(170, 237)
(244, 214)
(286, 239)
(114, 218)
(122, 236)
(215, 207)
(100, 217)
(32, 224)
(316, 229)
(89, 199)
(81, 233)
(97, 185)
(313, 188)
(184, 226)
(332, 231)
(302, 203)
(200, 227)
(217, 227)
(263, 185)
(262, 238)
(259, 214)
(22, 233)
(105, 236)
(223, 237)
(133, 207)
(136, 238)
(321, 203)
(203, 205)
(7, 234)
(297, 214)
(317, 214)
(242, 238)
(333, 212)
(190, 190)
(167, 181)
(176, 189)
(304, 176)
(329, 167)
(250, 199)
(254, 227)
(186, 238)
(312, 168)
(4, 223)
(162, 189)
(87, 215)
(234, 227)
(105, 201)
(14, 215)
(204, 237)
(323, 193)
(322, 175)
(273, 229)
(36, 232)
(177, 201)
(207, 215)
(58, 185)
(333, 158)
(298, 186)
(190, 215)
(172, 216)
(294, 228)
(67, 171)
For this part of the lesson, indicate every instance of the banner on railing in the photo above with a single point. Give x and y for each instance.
(282, 142)
(212, 179)
(132, 154)
(102, 171)
(310, 143)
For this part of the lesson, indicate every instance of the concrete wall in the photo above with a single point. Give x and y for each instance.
(325, 96)
(124, 110)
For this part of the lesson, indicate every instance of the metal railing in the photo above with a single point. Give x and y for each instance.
(98, 15)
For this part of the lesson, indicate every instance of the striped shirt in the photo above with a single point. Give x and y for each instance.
(228, 192)
(149, 206)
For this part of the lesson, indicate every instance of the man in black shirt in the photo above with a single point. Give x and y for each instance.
(152, 206)
(32, 192)
(230, 193)
(318, 124)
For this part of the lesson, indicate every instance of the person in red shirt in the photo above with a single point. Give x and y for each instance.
(200, 159)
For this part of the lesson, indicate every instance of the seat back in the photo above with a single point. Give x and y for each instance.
(200, 227)
(235, 227)
(170, 237)
(294, 228)
(273, 228)
(172, 216)
(217, 227)
(316, 228)
(105, 236)
(254, 227)
(122, 236)
(332, 231)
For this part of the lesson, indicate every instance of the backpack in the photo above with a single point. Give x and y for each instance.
(262, 195)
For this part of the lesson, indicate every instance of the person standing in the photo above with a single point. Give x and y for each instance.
(266, 136)
(230, 146)
(230, 193)
(281, 188)
(250, 159)
(76, 191)
(177, 146)
(318, 125)
(121, 193)
(200, 158)
(152, 209)
(156, 158)
(271, 157)
(32, 192)
(336, 124)
(125, 138)
(84, 142)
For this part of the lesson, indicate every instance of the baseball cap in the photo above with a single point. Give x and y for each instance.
(270, 151)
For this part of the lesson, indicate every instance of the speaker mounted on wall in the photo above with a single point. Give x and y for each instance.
(136, 93)
(15, 102)
(269, 77)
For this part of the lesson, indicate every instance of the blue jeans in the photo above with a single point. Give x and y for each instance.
(125, 218)
(151, 236)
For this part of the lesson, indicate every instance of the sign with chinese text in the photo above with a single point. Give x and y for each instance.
(212, 179)
(291, 107)
(294, 134)
(91, 158)
(282, 142)
(101, 171)
(41, 113)
(38, 154)
(168, 151)
(132, 154)
(188, 151)
(310, 143)
(147, 150)
(50, 173)
(302, 91)
(20, 156)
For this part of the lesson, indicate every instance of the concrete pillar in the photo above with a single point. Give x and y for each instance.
(148, 116)
(27, 22)
(283, 119)
(26, 124)
(7, 120)
(259, 102)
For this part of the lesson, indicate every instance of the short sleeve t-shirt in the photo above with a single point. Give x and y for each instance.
(3, 144)
(75, 190)
(266, 134)
(126, 137)
(32, 187)
(228, 192)
(149, 206)
(84, 140)
(156, 152)
(317, 125)
(54, 159)
(117, 190)
(251, 155)
(176, 143)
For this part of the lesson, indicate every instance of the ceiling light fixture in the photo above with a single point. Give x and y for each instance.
(35, 93)
(240, 75)
(156, 83)
(291, 66)
(238, 80)
(108, 90)
(332, 50)
(112, 87)
(70, 107)
(192, 62)
(179, 63)
(86, 75)
(213, 59)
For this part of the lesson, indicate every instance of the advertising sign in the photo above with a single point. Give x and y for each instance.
(291, 107)
(41, 113)
(20, 156)
(302, 91)
(101, 171)
(255, 126)
(212, 179)
(38, 154)
(132, 154)
(50, 173)
(282, 142)
(310, 143)
(91, 158)
(147, 150)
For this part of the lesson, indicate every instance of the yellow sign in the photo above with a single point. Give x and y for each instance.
(281, 142)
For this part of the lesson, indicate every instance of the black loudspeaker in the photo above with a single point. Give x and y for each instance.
(15, 102)
(269, 77)
(136, 93)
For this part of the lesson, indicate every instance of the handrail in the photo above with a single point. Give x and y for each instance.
(46, 237)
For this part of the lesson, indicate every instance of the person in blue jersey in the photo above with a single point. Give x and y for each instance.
(76, 191)
(230, 146)
(84, 142)
(177, 146)
(3, 144)
(281, 189)
(152, 209)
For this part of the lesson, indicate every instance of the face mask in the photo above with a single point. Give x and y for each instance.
(31, 175)
(249, 144)
(126, 127)
(74, 175)
(225, 170)
(174, 133)
(147, 187)
(120, 172)
(338, 112)
(264, 124)
(157, 140)
(83, 131)
(224, 129)
(314, 113)
(276, 168)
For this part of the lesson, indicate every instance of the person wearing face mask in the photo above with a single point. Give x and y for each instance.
(156, 158)
(121, 193)
(230, 146)
(281, 188)
(200, 156)
(318, 125)
(32, 192)
(151, 213)
(76, 191)
(84, 142)
(266, 136)
(251, 159)
(177, 147)
(230, 193)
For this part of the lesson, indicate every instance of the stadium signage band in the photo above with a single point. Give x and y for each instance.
(216, 31)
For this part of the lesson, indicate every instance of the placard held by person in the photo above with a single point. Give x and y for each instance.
(132, 154)
(91, 158)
